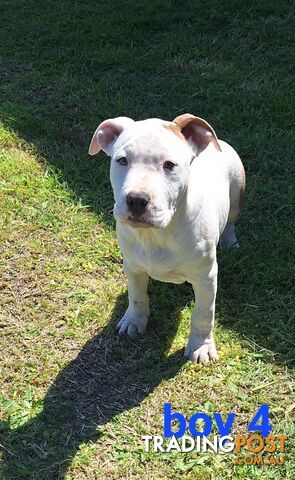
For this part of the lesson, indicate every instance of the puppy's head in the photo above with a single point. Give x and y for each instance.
(150, 162)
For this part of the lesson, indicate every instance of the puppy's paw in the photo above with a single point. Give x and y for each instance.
(132, 324)
(201, 352)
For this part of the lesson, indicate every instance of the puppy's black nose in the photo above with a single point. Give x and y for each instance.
(137, 202)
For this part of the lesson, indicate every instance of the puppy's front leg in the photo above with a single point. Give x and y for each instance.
(201, 346)
(136, 316)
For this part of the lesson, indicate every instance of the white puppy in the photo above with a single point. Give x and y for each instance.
(178, 191)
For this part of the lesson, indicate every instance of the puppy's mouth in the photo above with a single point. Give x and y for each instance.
(156, 220)
(139, 222)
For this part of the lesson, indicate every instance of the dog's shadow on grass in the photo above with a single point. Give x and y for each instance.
(110, 375)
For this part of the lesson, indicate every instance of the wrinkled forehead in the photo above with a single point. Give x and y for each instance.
(151, 139)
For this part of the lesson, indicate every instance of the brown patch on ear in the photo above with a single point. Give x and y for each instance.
(183, 120)
(174, 128)
(190, 126)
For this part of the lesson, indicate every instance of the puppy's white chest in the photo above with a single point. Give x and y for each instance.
(159, 262)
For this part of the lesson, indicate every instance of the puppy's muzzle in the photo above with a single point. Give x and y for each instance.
(137, 203)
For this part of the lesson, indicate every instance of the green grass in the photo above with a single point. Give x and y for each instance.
(75, 399)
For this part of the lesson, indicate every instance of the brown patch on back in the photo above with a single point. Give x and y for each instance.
(243, 189)
(237, 203)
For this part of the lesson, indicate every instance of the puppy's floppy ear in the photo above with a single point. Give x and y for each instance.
(107, 133)
(197, 132)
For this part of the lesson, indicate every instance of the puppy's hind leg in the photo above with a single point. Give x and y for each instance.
(228, 238)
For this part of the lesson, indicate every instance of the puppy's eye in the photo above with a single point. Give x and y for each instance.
(169, 166)
(122, 160)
